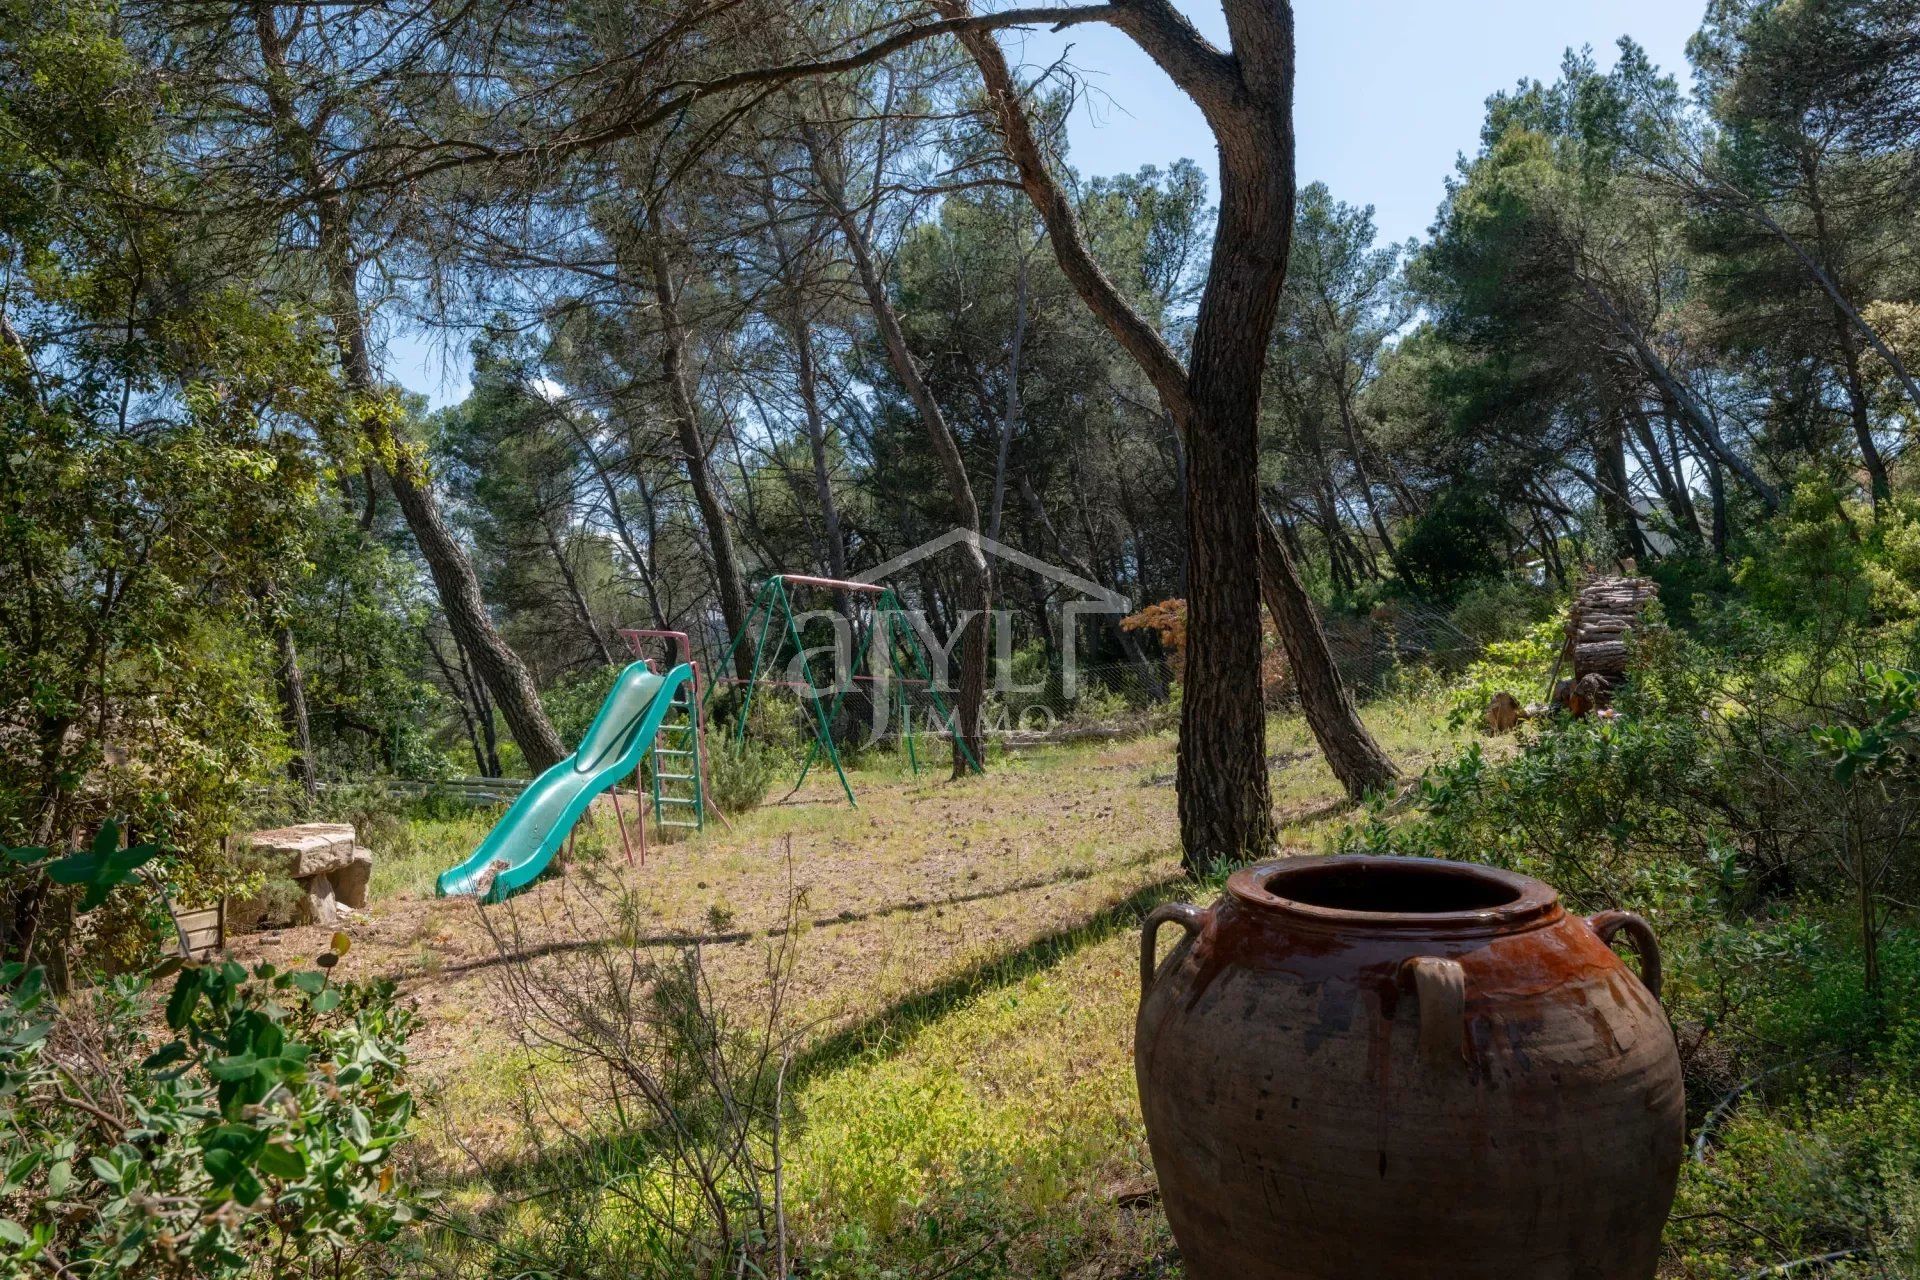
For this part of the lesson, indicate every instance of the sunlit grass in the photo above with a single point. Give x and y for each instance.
(968, 976)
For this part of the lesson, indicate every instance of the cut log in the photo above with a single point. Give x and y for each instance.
(1609, 658)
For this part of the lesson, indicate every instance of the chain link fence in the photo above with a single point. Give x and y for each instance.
(1376, 653)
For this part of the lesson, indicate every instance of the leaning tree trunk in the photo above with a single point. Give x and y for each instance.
(686, 420)
(1247, 120)
(505, 676)
(576, 595)
(972, 693)
(1351, 752)
(800, 330)
(447, 561)
(454, 578)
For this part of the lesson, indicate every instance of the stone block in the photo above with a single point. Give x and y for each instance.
(308, 849)
(350, 879)
(318, 905)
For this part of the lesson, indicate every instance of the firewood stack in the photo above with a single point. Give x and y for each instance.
(1603, 612)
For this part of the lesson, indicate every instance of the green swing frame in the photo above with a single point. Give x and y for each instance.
(888, 616)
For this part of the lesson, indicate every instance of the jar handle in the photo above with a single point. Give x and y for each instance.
(1441, 986)
(1189, 917)
(1609, 923)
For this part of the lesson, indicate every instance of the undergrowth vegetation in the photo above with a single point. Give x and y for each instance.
(1753, 791)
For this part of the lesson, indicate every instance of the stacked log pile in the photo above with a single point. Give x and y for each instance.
(1605, 610)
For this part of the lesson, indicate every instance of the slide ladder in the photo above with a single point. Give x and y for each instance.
(679, 774)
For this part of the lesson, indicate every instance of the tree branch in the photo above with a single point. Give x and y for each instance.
(630, 126)
(1140, 339)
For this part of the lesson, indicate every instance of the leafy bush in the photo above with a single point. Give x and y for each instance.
(1503, 609)
(253, 1131)
(1099, 704)
(740, 773)
(1518, 666)
(741, 768)
(1832, 1171)
(1460, 539)
(573, 702)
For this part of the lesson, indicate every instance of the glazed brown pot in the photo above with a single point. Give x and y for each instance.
(1406, 1069)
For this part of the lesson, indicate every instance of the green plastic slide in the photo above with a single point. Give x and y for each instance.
(517, 850)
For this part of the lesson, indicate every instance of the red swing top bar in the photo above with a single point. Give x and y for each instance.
(683, 645)
(831, 584)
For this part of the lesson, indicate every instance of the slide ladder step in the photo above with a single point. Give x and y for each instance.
(676, 765)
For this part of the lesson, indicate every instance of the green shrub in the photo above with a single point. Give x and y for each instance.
(1832, 1167)
(1099, 704)
(739, 774)
(1504, 609)
(1518, 666)
(251, 1133)
(741, 768)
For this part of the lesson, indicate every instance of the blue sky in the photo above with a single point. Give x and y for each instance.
(1390, 92)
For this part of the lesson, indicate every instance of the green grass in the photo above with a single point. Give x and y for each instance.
(966, 1106)
(997, 1123)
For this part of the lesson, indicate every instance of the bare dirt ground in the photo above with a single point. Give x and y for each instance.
(926, 878)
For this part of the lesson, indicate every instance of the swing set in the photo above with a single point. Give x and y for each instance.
(885, 620)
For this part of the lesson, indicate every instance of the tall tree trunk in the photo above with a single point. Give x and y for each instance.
(1549, 550)
(617, 513)
(1699, 422)
(792, 313)
(1667, 479)
(686, 420)
(1356, 449)
(1858, 410)
(482, 711)
(1717, 491)
(1180, 490)
(1010, 417)
(1228, 89)
(581, 610)
(463, 699)
(1226, 809)
(800, 331)
(977, 578)
(447, 561)
(1847, 336)
(1615, 494)
(451, 569)
(505, 676)
(293, 713)
(1129, 641)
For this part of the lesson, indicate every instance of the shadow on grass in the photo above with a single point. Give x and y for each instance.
(908, 906)
(881, 1034)
(886, 1031)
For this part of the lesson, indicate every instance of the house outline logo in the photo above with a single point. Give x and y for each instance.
(1101, 602)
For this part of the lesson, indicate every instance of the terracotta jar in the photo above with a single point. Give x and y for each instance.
(1405, 1069)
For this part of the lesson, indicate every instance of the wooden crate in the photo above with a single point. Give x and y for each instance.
(203, 933)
